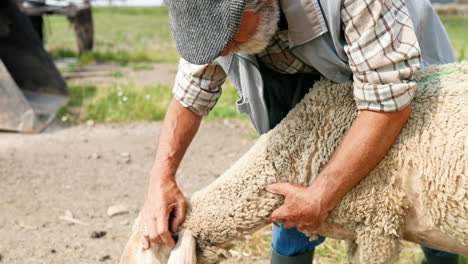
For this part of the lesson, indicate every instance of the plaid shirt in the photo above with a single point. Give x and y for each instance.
(382, 50)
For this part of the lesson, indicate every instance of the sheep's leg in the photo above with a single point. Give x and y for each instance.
(184, 251)
(375, 247)
(353, 253)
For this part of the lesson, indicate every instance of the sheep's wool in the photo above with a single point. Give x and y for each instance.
(431, 148)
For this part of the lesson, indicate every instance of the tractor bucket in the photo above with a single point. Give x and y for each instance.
(31, 87)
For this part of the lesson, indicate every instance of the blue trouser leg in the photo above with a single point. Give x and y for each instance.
(433, 256)
(292, 242)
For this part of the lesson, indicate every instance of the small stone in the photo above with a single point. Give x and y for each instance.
(68, 214)
(94, 156)
(117, 210)
(98, 234)
(126, 156)
(68, 217)
(64, 119)
(90, 123)
(53, 251)
(1, 257)
(105, 258)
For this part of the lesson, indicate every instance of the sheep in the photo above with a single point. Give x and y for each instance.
(418, 192)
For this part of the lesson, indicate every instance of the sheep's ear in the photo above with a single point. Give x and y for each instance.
(185, 249)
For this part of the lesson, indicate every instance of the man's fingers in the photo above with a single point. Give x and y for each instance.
(279, 214)
(289, 224)
(278, 188)
(145, 244)
(153, 236)
(283, 188)
(163, 230)
(179, 216)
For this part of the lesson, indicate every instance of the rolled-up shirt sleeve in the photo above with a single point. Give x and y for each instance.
(198, 87)
(383, 53)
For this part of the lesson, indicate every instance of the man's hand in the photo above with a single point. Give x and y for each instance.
(164, 208)
(162, 213)
(302, 208)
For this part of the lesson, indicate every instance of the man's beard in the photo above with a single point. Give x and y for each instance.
(266, 28)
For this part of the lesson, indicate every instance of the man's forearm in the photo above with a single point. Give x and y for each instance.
(364, 145)
(179, 128)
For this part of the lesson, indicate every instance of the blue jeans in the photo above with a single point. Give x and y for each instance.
(292, 242)
(430, 251)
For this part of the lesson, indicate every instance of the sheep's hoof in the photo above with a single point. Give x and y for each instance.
(185, 250)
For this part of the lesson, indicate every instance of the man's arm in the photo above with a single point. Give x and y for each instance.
(163, 197)
(196, 91)
(364, 145)
(383, 54)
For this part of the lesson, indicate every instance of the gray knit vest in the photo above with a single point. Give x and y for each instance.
(317, 39)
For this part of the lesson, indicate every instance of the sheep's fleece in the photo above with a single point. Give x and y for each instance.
(418, 192)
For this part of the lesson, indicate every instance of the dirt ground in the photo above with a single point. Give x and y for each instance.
(104, 74)
(85, 170)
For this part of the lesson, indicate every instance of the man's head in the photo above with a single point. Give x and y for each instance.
(206, 29)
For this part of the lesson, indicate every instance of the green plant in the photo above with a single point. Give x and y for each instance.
(116, 74)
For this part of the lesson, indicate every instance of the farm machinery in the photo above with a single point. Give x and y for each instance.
(31, 87)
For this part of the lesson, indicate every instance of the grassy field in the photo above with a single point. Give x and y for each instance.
(142, 35)
(457, 28)
(122, 35)
(117, 103)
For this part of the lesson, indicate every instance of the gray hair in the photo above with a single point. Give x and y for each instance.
(268, 13)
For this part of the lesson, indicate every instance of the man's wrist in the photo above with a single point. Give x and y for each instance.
(326, 190)
(158, 177)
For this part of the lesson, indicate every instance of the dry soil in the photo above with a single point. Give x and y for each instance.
(85, 170)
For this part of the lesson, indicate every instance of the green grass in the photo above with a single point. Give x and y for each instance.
(142, 67)
(116, 74)
(120, 103)
(130, 34)
(122, 35)
(226, 107)
(457, 29)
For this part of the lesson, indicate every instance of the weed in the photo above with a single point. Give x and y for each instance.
(116, 74)
(142, 67)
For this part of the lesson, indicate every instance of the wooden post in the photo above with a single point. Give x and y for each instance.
(82, 21)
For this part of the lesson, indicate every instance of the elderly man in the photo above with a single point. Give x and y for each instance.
(273, 51)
